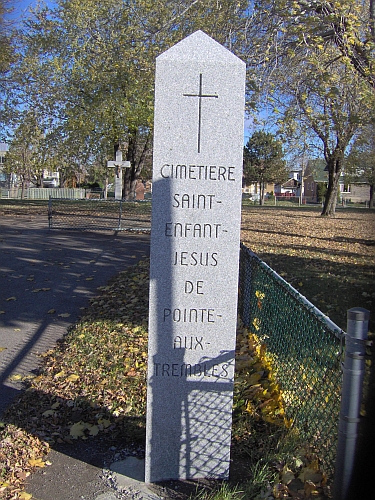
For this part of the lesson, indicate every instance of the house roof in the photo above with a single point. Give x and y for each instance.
(291, 183)
(317, 169)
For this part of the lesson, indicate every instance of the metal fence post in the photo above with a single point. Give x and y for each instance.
(119, 216)
(245, 286)
(351, 397)
(50, 212)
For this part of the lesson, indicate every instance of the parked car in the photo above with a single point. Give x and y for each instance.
(50, 182)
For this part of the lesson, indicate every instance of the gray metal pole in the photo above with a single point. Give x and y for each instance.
(50, 212)
(351, 398)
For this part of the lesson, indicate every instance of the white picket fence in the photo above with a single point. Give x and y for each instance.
(43, 193)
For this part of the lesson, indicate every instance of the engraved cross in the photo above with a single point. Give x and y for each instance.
(200, 95)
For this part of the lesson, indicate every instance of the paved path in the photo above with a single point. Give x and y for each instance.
(46, 278)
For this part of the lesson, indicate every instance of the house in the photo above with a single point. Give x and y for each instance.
(356, 192)
(316, 181)
(291, 187)
(5, 178)
(252, 190)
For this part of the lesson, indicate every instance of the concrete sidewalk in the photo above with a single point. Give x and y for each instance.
(46, 279)
(92, 471)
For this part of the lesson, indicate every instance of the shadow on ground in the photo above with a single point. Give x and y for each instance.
(52, 266)
(47, 278)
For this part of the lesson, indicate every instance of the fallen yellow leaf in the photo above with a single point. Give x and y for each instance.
(24, 496)
(36, 462)
(77, 429)
(254, 378)
(310, 489)
(72, 378)
(104, 422)
(256, 323)
(2, 349)
(94, 430)
(287, 476)
(48, 413)
(312, 475)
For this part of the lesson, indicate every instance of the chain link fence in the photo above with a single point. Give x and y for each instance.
(306, 351)
(305, 346)
(99, 214)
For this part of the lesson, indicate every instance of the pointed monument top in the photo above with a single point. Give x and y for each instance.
(201, 47)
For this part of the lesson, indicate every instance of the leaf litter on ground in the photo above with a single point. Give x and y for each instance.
(94, 381)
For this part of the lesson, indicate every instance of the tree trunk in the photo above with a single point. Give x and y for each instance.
(105, 189)
(262, 189)
(130, 174)
(371, 196)
(138, 147)
(334, 171)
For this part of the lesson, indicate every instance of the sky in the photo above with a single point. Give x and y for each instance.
(20, 7)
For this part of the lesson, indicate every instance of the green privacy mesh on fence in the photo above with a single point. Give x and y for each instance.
(98, 214)
(305, 348)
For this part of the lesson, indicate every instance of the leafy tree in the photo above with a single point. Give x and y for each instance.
(7, 57)
(263, 161)
(360, 163)
(350, 26)
(88, 68)
(6, 51)
(333, 105)
(306, 81)
(25, 158)
(281, 28)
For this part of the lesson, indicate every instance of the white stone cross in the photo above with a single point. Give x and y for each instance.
(118, 165)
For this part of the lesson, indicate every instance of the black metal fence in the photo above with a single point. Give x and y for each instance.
(99, 214)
